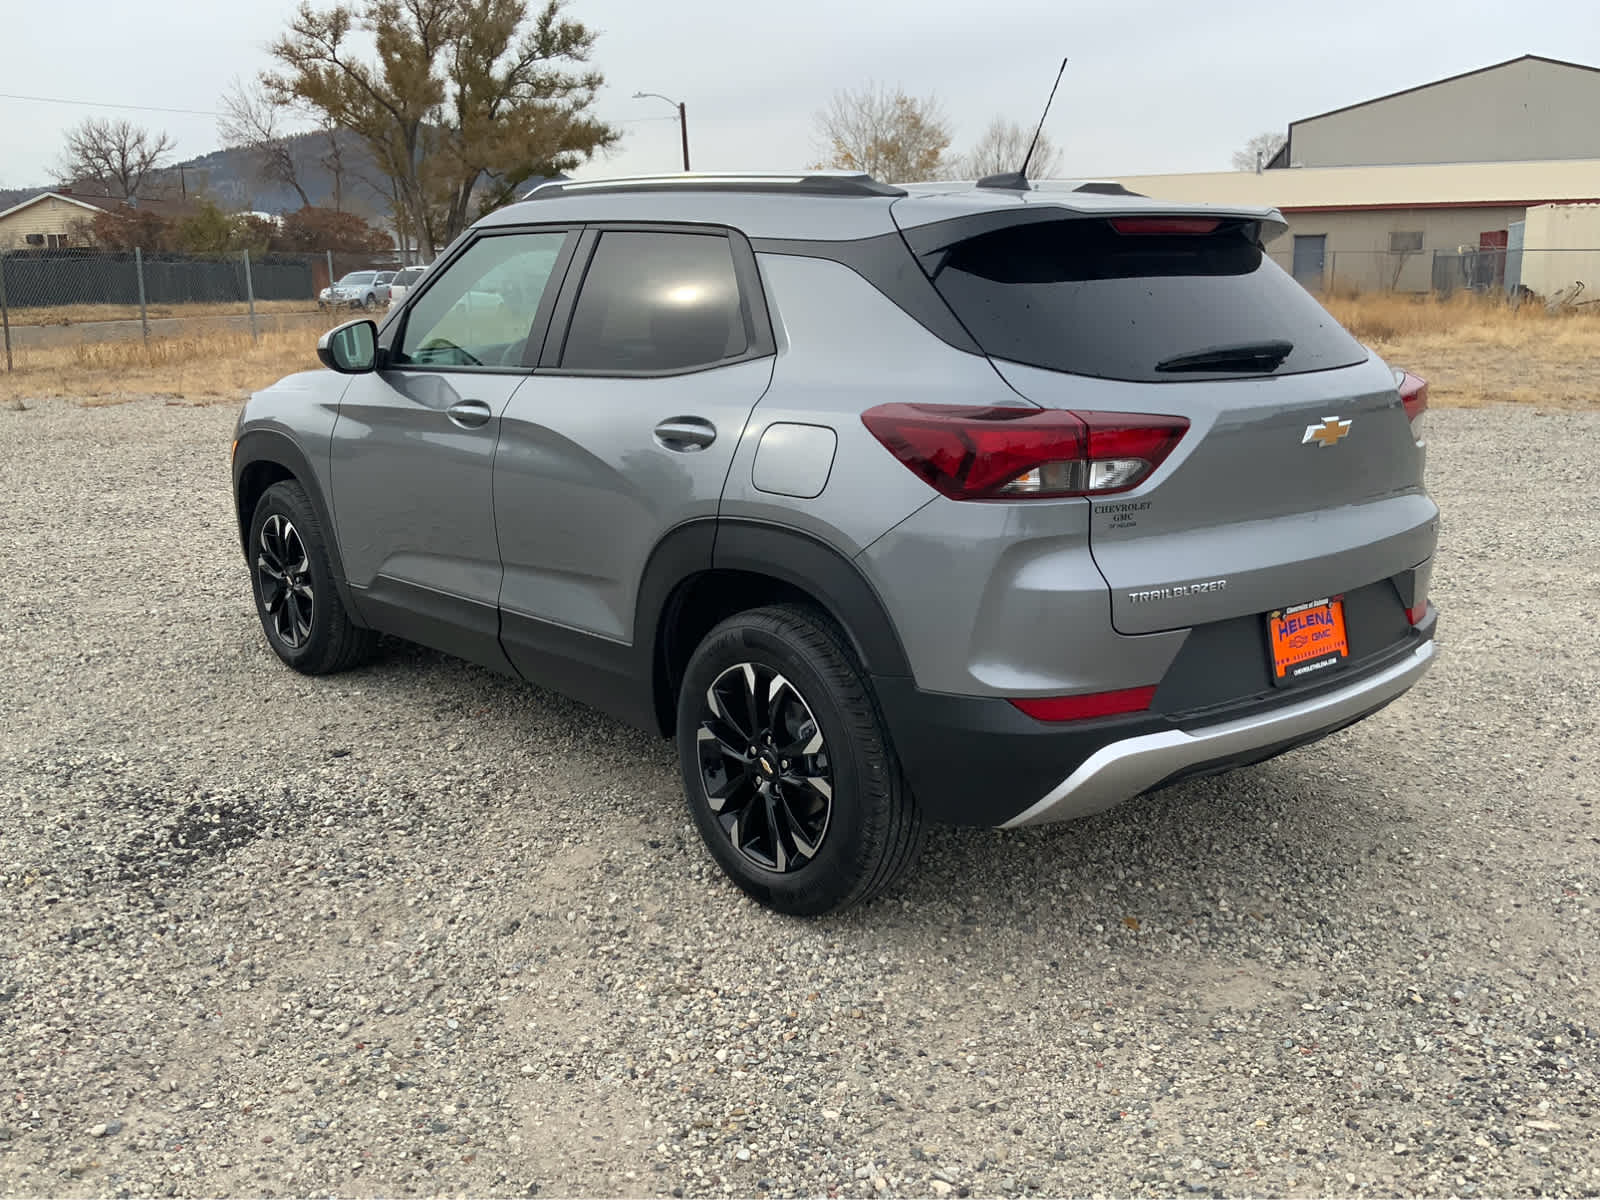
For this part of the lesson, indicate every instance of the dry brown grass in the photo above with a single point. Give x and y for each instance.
(1475, 351)
(211, 368)
(80, 314)
(1472, 352)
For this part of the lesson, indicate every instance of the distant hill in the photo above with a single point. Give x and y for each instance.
(11, 197)
(229, 178)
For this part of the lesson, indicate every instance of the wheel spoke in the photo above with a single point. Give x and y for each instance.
(752, 704)
(799, 837)
(719, 710)
(724, 769)
(729, 740)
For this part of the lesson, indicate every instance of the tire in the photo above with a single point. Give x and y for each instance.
(838, 791)
(306, 623)
(370, 303)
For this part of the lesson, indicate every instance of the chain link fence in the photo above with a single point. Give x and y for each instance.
(65, 296)
(1561, 278)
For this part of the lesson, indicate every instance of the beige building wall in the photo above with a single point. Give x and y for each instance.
(1527, 109)
(50, 216)
(1357, 253)
(1561, 246)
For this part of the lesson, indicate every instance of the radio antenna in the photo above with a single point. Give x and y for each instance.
(1018, 180)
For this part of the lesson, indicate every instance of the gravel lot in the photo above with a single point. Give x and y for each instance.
(418, 929)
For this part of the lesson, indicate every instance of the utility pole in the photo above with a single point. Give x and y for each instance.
(683, 118)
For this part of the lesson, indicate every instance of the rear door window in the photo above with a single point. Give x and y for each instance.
(1080, 296)
(656, 302)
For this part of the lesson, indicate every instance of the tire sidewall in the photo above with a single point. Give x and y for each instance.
(858, 771)
(280, 499)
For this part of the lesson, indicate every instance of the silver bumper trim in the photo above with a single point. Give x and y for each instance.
(1124, 769)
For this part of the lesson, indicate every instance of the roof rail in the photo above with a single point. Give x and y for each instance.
(807, 183)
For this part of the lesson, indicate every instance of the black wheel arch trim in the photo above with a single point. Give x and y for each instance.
(278, 449)
(787, 555)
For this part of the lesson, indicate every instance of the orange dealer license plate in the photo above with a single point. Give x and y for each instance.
(1307, 641)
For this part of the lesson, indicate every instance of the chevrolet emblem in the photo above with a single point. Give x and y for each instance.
(1326, 434)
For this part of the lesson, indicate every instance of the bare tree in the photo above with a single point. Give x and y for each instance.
(116, 154)
(1003, 147)
(332, 161)
(252, 121)
(1266, 145)
(891, 136)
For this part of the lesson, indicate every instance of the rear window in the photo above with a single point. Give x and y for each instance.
(408, 276)
(1079, 296)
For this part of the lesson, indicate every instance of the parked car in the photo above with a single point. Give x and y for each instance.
(989, 505)
(358, 289)
(402, 283)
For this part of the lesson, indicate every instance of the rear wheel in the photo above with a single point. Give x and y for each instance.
(787, 765)
(301, 613)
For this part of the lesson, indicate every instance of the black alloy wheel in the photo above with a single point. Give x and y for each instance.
(787, 764)
(283, 579)
(764, 765)
(296, 591)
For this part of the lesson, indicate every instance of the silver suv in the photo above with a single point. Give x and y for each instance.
(984, 504)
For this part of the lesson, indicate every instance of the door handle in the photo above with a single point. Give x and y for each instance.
(686, 434)
(469, 414)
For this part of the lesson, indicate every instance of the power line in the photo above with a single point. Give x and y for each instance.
(201, 112)
(192, 112)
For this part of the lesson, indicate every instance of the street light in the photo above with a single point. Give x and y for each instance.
(683, 118)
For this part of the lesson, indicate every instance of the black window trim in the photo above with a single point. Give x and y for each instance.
(393, 329)
(759, 338)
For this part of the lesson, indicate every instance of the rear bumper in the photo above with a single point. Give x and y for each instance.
(1132, 765)
(980, 761)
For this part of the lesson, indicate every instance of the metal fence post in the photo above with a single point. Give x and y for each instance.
(144, 312)
(5, 312)
(250, 297)
(330, 268)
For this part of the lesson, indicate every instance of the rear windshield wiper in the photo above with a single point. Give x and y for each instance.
(1248, 356)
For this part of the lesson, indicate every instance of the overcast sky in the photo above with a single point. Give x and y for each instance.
(1154, 85)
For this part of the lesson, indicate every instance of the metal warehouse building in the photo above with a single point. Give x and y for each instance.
(1437, 187)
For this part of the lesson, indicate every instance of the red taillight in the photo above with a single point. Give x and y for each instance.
(1081, 708)
(1414, 395)
(1417, 612)
(1024, 453)
(1166, 225)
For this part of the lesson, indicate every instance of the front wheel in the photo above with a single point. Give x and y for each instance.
(370, 303)
(290, 573)
(788, 767)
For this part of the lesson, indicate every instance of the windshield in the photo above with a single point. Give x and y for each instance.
(357, 277)
(1132, 299)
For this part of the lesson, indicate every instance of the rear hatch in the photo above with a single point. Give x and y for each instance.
(1298, 477)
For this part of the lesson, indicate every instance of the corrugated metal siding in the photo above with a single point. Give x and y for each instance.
(1526, 109)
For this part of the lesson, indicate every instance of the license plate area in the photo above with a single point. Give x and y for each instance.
(1307, 641)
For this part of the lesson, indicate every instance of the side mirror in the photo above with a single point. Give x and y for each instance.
(350, 349)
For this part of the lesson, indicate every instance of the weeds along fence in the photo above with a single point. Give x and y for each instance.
(1561, 277)
(64, 296)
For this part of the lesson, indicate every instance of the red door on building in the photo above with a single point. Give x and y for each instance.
(1492, 258)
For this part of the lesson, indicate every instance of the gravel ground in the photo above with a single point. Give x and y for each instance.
(418, 929)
